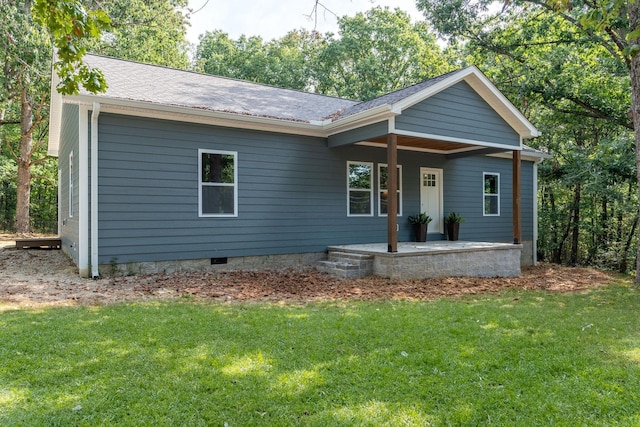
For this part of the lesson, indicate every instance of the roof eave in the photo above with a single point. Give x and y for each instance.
(198, 115)
(363, 118)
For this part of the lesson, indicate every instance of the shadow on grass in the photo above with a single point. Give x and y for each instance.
(520, 358)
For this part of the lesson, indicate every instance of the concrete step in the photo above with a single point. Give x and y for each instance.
(348, 257)
(347, 265)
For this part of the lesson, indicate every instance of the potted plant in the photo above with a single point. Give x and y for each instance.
(420, 224)
(453, 221)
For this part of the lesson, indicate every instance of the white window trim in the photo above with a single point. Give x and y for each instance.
(370, 190)
(484, 195)
(399, 191)
(202, 151)
(71, 173)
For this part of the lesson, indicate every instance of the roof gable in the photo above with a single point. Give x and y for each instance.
(403, 99)
(459, 113)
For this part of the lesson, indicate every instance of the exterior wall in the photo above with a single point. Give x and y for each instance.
(292, 193)
(448, 113)
(463, 181)
(361, 134)
(69, 141)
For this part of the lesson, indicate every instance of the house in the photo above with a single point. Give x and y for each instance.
(172, 169)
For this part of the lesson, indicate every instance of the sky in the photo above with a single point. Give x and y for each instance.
(274, 18)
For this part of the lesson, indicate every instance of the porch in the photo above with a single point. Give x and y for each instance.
(421, 260)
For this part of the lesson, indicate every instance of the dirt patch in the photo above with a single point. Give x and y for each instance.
(32, 278)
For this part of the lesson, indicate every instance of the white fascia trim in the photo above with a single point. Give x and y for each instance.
(458, 140)
(527, 157)
(374, 115)
(193, 115)
(55, 117)
(83, 190)
(201, 116)
(94, 189)
(479, 82)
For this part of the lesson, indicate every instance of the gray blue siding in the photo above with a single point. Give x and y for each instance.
(69, 140)
(292, 193)
(458, 112)
(360, 134)
(463, 180)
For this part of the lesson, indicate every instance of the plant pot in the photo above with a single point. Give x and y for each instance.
(421, 232)
(453, 230)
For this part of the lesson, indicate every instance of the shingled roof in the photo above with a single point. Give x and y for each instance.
(204, 98)
(393, 97)
(134, 81)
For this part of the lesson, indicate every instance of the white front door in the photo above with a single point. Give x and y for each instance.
(431, 198)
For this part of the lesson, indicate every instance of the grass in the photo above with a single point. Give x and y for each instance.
(520, 358)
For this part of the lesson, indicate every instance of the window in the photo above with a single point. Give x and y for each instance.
(382, 190)
(360, 189)
(71, 185)
(429, 180)
(218, 183)
(491, 194)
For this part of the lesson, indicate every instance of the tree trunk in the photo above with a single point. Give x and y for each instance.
(634, 22)
(22, 224)
(622, 268)
(576, 225)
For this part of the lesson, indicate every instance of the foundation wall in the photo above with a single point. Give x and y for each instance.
(268, 262)
(498, 262)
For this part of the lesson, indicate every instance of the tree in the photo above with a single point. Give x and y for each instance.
(285, 62)
(30, 30)
(146, 31)
(378, 51)
(70, 26)
(566, 29)
(25, 57)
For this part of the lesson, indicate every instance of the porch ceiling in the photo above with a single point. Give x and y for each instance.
(425, 144)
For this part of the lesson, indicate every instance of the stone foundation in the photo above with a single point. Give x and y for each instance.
(347, 265)
(526, 258)
(495, 262)
(248, 263)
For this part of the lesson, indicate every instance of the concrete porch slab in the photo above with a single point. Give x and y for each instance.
(440, 258)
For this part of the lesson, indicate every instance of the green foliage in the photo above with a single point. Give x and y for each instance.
(70, 26)
(286, 62)
(153, 32)
(565, 65)
(454, 218)
(519, 358)
(139, 30)
(421, 218)
(8, 171)
(375, 52)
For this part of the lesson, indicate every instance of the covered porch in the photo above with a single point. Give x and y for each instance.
(420, 260)
(456, 117)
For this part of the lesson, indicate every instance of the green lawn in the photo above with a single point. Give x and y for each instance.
(520, 358)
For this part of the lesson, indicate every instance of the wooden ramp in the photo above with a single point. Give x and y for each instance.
(39, 243)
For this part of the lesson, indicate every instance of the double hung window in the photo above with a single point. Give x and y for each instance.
(383, 192)
(218, 182)
(360, 189)
(491, 194)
